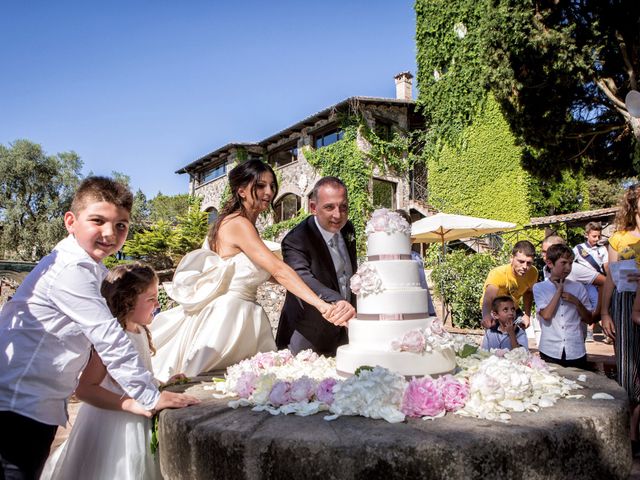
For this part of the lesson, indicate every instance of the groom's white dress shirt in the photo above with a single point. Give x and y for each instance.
(340, 257)
(46, 333)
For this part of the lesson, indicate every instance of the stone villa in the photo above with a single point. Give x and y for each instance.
(284, 151)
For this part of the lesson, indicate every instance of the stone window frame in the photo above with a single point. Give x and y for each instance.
(278, 210)
(291, 148)
(212, 215)
(212, 170)
(325, 133)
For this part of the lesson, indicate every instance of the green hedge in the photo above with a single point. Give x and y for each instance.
(482, 177)
(460, 279)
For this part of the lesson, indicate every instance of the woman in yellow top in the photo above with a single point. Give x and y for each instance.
(624, 244)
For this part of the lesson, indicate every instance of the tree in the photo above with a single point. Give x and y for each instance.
(605, 193)
(152, 245)
(139, 213)
(168, 207)
(35, 191)
(560, 70)
(191, 229)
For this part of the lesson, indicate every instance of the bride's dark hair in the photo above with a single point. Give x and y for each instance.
(239, 177)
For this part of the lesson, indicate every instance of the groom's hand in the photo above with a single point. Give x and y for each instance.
(341, 313)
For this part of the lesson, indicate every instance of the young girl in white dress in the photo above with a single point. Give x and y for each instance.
(112, 433)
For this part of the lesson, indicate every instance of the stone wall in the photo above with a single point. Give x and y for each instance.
(271, 297)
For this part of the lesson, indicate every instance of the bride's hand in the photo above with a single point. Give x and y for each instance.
(340, 313)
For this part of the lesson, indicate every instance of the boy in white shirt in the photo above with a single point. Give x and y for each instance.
(563, 305)
(48, 327)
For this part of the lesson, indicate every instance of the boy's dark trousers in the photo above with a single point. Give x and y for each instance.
(563, 362)
(24, 446)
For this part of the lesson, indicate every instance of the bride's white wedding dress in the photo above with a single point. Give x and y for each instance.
(107, 444)
(218, 321)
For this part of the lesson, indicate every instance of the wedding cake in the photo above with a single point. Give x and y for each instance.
(392, 328)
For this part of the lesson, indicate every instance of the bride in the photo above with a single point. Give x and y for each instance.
(218, 321)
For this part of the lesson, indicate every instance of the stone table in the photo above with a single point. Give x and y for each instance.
(576, 438)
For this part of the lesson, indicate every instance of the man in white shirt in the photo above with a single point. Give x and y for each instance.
(563, 306)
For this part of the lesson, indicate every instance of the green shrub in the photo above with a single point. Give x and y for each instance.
(460, 279)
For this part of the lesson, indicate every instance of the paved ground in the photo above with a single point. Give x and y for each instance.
(598, 353)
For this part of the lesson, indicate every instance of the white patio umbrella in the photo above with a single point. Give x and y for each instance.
(444, 227)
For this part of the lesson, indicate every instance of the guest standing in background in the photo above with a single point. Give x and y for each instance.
(617, 306)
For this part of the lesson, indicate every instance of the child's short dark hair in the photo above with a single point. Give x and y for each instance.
(102, 189)
(559, 250)
(495, 305)
(524, 247)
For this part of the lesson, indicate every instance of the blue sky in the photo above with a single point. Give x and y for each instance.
(146, 87)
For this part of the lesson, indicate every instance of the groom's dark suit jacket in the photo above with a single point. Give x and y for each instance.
(304, 250)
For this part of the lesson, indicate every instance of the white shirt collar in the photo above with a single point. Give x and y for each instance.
(325, 234)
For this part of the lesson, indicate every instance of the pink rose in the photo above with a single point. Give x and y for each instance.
(246, 384)
(413, 341)
(422, 398)
(279, 394)
(302, 389)
(454, 393)
(356, 284)
(500, 352)
(324, 392)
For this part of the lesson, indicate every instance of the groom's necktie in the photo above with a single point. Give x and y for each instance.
(341, 263)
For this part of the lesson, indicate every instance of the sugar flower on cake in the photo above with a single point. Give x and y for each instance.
(385, 220)
(366, 280)
(424, 340)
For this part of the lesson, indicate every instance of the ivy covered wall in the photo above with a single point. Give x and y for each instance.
(482, 177)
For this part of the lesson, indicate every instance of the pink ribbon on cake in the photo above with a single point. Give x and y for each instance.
(398, 256)
(391, 316)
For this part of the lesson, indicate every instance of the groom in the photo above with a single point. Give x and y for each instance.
(322, 250)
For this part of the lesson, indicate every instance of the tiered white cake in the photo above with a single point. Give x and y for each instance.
(392, 328)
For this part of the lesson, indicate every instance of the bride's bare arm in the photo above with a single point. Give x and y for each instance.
(240, 234)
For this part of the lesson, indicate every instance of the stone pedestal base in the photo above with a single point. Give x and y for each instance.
(582, 438)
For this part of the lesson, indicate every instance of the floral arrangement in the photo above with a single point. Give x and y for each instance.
(488, 385)
(424, 340)
(429, 398)
(503, 381)
(366, 280)
(385, 220)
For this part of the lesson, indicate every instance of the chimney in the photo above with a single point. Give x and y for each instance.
(403, 86)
